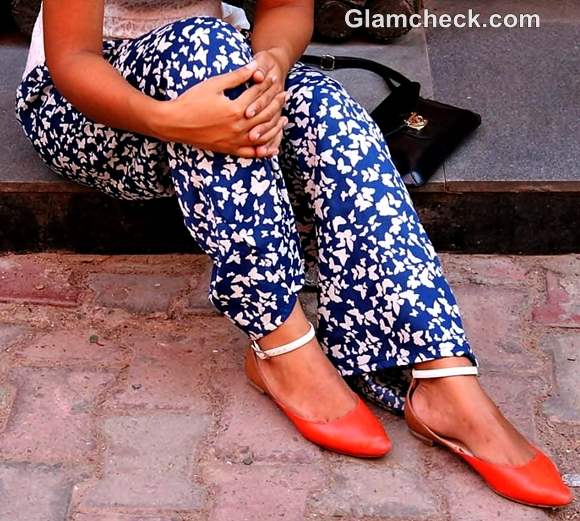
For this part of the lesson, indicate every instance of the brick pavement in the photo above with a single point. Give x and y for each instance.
(122, 398)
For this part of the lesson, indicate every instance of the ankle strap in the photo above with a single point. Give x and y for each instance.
(286, 348)
(444, 372)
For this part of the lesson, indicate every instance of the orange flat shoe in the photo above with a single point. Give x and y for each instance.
(358, 433)
(536, 483)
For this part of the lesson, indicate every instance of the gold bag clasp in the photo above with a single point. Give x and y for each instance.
(416, 121)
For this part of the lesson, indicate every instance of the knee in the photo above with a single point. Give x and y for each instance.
(204, 39)
(187, 29)
(171, 59)
(191, 50)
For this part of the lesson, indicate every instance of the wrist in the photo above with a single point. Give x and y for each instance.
(157, 116)
(151, 115)
(282, 57)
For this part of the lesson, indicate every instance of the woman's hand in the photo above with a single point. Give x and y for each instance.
(206, 118)
(281, 32)
(271, 72)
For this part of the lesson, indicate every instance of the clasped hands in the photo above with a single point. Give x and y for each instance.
(249, 126)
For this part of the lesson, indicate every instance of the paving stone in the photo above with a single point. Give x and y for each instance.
(79, 347)
(562, 305)
(563, 264)
(51, 416)
(197, 269)
(10, 333)
(117, 516)
(33, 492)
(224, 344)
(262, 492)
(494, 318)
(469, 498)
(359, 490)
(137, 293)
(252, 426)
(34, 280)
(167, 264)
(7, 397)
(199, 286)
(564, 403)
(484, 269)
(164, 374)
(148, 464)
(408, 452)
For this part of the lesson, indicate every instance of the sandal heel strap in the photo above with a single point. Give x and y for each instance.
(286, 348)
(444, 372)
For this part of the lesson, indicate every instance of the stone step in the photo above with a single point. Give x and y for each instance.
(511, 188)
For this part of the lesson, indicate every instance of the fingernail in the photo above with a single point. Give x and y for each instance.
(274, 78)
(252, 112)
(252, 65)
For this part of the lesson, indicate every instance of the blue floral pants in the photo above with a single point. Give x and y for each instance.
(331, 199)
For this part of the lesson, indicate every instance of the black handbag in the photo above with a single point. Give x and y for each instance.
(421, 133)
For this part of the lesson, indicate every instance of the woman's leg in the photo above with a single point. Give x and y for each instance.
(120, 164)
(239, 212)
(383, 300)
(384, 303)
(236, 209)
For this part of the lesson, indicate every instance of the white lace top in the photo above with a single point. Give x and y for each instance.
(132, 18)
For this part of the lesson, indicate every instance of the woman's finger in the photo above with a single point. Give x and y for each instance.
(250, 95)
(255, 134)
(256, 106)
(259, 104)
(232, 79)
(270, 134)
(274, 146)
(266, 151)
(245, 152)
(266, 119)
(261, 73)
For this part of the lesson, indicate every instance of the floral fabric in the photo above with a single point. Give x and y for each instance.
(331, 201)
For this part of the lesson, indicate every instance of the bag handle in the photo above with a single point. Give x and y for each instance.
(402, 99)
(328, 62)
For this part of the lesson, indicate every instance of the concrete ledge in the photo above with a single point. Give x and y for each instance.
(91, 222)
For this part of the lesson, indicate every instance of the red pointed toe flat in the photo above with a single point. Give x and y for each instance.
(536, 483)
(358, 433)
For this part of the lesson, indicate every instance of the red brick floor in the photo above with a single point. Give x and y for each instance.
(122, 398)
